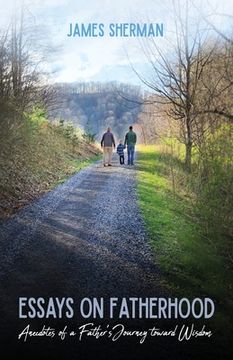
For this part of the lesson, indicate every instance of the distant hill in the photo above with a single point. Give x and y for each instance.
(95, 106)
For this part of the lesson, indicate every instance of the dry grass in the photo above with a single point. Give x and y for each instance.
(34, 158)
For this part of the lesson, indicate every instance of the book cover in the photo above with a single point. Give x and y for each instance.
(116, 179)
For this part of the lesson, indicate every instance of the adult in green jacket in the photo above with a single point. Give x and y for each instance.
(130, 141)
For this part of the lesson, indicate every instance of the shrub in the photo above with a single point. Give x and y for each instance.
(213, 182)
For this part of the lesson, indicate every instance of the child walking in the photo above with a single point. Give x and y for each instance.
(120, 152)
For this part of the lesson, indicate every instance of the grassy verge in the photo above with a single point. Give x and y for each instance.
(35, 157)
(192, 265)
(75, 165)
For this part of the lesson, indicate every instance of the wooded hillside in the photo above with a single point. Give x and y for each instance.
(95, 106)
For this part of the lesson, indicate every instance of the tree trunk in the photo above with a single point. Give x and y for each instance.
(188, 156)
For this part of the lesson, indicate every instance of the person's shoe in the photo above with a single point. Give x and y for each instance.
(109, 164)
(105, 165)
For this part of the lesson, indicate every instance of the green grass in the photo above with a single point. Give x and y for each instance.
(191, 264)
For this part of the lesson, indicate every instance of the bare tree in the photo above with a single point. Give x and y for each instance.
(176, 78)
(23, 82)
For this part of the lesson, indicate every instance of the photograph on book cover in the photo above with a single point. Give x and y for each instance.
(116, 149)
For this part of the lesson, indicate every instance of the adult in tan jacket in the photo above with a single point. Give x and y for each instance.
(108, 143)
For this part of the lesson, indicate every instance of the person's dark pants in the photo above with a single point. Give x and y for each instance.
(122, 159)
(130, 150)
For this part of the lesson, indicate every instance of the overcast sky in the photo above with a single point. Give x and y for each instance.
(106, 58)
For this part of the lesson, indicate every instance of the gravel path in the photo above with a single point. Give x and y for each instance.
(84, 238)
(89, 230)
